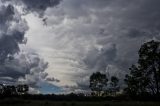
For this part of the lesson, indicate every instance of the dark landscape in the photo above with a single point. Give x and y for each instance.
(79, 52)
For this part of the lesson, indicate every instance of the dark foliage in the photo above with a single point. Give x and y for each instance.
(97, 82)
(8, 90)
(144, 78)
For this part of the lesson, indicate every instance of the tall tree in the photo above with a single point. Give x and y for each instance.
(114, 81)
(145, 75)
(113, 88)
(22, 89)
(97, 82)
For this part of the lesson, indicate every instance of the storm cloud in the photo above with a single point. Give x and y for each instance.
(36, 6)
(12, 31)
(18, 66)
(104, 35)
(79, 37)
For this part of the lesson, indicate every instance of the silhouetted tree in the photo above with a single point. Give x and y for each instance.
(13, 90)
(9, 90)
(145, 75)
(114, 85)
(97, 82)
(22, 89)
(114, 81)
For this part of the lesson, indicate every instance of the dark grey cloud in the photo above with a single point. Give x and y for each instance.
(89, 35)
(145, 14)
(138, 19)
(17, 66)
(33, 69)
(53, 79)
(11, 35)
(6, 14)
(26, 68)
(37, 6)
(99, 59)
(21, 67)
(111, 32)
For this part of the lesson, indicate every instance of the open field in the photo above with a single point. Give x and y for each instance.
(16, 102)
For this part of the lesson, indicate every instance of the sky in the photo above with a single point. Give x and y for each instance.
(55, 45)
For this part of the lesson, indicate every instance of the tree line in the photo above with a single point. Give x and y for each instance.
(13, 90)
(143, 79)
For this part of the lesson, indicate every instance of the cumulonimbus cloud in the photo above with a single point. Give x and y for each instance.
(17, 66)
(103, 35)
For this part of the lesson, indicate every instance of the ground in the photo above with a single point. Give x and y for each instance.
(16, 102)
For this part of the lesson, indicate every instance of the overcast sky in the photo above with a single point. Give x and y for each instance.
(55, 45)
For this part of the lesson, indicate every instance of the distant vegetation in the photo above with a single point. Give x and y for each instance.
(13, 90)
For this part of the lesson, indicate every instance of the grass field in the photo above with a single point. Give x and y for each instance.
(11, 102)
